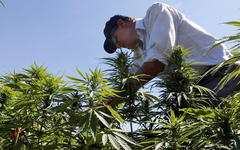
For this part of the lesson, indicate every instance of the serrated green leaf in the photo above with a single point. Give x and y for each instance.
(13, 85)
(155, 132)
(119, 130)
(62, 106)
(104, 139)
(75, 79)
(93, 125)
(150, 141)
(234, 23)
(148, 147)
(80, 73)
(104, 114)
(115, 114)
(159, 145)
(183, 138)
(158, 123)
(83, 119)
(123, 144)
(114, 142)
(102, 119)
(91, 94)
(153, 97)
(126, 138)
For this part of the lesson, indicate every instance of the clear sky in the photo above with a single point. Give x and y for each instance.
(63, 35)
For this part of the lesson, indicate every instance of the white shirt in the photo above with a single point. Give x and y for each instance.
(164, 27)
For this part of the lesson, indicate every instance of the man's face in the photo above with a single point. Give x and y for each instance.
(125, 35)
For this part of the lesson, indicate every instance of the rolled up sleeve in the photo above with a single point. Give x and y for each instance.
(162, 34)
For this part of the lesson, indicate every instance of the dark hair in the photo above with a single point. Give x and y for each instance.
(111, 25)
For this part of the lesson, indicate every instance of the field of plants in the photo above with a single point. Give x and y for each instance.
(39, 110)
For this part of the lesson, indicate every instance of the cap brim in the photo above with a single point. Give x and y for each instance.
(109, 46)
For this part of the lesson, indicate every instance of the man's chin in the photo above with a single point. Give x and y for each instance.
(131, 47)
(127, 47)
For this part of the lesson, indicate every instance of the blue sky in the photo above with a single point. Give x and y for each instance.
(63, 35)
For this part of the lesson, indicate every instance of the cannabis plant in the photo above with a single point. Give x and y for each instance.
(27, 120)
(178, 84)
(123, 80)
(40, 111)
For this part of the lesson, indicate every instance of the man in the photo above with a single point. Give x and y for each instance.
(162, 28)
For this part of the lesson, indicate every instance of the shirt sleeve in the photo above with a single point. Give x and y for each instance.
(162, 34)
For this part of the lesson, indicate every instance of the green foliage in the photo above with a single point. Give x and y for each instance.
(26, 119)
(127, 83)
(178, 78)
(178, 88)
(236, 55)
(232, 38)
(41, 111)
(218, 127)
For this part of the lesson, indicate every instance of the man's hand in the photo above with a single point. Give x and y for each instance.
(151, 69)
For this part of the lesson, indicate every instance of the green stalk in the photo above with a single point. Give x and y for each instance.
(15, 144)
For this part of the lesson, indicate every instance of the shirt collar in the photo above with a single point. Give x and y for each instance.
(139, 24)
(140, 29)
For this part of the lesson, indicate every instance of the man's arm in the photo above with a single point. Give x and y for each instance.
(150, 69)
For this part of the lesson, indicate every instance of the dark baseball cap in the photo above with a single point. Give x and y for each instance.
(110, 27)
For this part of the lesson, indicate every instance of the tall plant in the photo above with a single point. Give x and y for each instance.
(40, 111)
(178, 84)
(26, 118)
(136, 105)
